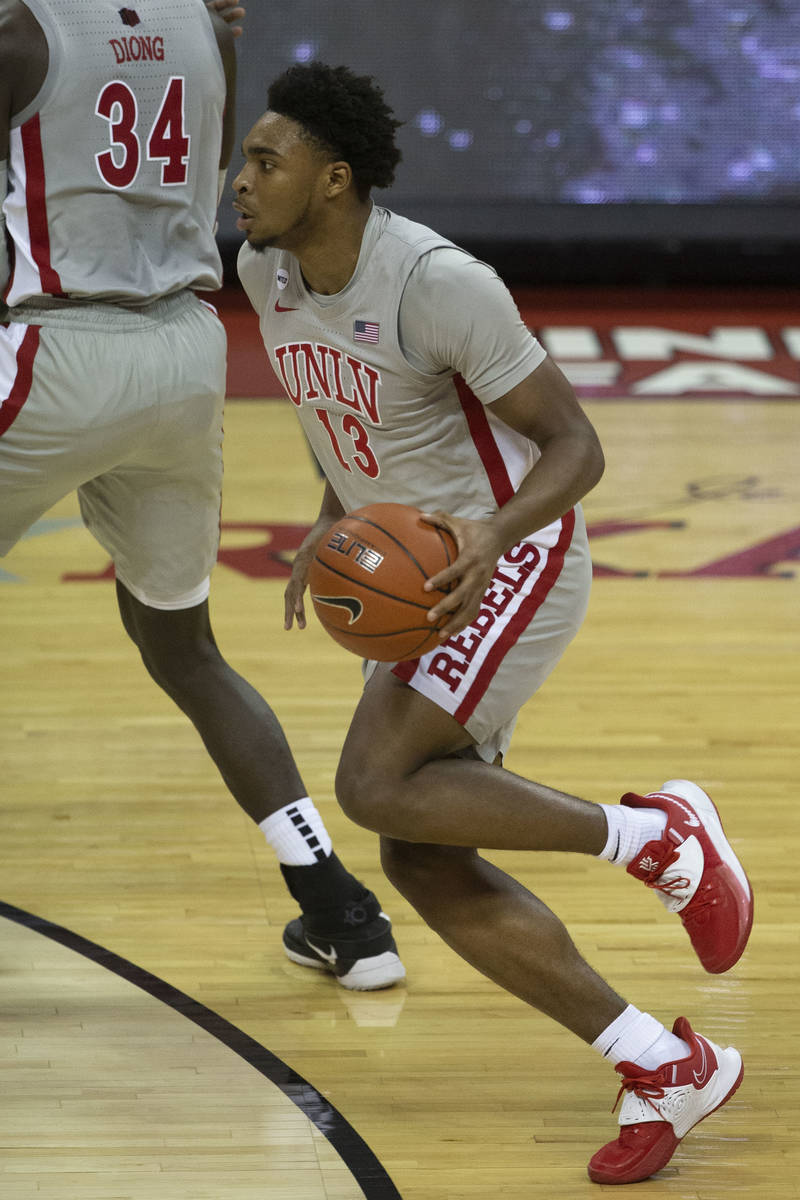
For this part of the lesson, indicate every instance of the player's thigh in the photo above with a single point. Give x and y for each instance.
(485, 675)
(528, 662)
(157, 511)
(160, 525)
(396, 730)
(444, 702)
(50, 435)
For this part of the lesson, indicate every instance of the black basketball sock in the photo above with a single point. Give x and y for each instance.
(322, 887)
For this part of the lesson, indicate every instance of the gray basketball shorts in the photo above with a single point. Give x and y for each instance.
(126, 407)
(532, 609)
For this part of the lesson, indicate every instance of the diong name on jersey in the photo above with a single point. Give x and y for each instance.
(138, 49)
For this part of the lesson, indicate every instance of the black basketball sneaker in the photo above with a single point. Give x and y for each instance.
(353, 942)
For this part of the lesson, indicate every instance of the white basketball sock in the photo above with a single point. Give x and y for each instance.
(297, 834)
(639, 1038)
(629, 829)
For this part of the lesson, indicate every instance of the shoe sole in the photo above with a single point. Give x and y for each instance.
(373, 974)
(366, 974)
(707, 810)
(659, 1159)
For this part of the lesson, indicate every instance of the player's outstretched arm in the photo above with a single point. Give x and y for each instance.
(231, 12)
(330, 511)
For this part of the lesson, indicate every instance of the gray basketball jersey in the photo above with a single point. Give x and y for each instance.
(112, 180)
(381, 429)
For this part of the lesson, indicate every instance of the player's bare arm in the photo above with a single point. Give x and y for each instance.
(231, 12)
(23, 63)
(544, 408)
(330, 511)
(225, 35)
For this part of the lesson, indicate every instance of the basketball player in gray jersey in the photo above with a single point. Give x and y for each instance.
(416, 382)
(112, 377)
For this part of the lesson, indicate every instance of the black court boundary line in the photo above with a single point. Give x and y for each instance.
(354, 1152)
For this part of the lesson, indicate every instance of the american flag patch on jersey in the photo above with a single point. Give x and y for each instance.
(366, 331)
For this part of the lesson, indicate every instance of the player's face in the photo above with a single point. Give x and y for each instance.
(281, 185)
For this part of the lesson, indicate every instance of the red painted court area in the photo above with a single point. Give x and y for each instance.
(614, 343)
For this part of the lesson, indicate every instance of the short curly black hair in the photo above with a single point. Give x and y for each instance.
(346, 115)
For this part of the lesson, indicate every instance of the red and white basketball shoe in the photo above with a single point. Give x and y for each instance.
(695, 872)
(661, 1107)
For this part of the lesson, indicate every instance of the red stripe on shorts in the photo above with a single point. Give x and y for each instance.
(487, 447)
(20, 388)
(36, 204)
(521, 619)
(405, 670)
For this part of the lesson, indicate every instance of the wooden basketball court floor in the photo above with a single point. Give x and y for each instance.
(156, 1044)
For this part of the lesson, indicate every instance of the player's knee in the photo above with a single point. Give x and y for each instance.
(176, 666)
(364, 795)
(354, 791)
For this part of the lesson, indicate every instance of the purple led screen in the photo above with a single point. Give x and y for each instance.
(590, 102)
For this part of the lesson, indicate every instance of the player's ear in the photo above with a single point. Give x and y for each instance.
(339, 178)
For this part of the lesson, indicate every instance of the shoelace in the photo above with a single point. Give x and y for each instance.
(654, 874)
(646, 1087)
(703, 899)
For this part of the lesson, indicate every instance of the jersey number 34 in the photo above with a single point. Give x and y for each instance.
(168, 141)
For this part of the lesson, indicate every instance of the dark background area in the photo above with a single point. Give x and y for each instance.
(577, 141)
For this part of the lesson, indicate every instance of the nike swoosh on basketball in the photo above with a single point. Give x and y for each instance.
(350, 603)
(279, 308)
(329, 955)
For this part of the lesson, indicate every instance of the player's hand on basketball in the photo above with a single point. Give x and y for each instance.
(231, 11)
(468, 577)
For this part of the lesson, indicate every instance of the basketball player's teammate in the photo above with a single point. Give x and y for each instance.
(416, 381)
(112, 377)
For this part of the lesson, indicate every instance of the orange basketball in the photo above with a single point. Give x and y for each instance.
(367, 577)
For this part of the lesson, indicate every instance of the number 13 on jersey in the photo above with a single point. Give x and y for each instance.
(168, 141)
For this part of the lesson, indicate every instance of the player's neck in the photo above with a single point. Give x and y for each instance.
(329, 259)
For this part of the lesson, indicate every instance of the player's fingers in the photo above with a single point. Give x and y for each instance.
(293, 607)
(448, 604)
(451, 629)
(460, 606)
(442, 520)
(295, 614)
(230, 13)
(461, 616)
(443, 579)
(458, 621)
(438, 518)
(229, 10)
(458, 573)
